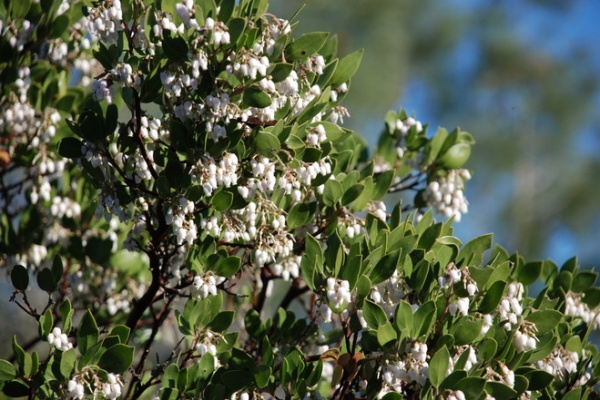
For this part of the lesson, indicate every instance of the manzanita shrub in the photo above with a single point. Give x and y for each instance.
(176, 179)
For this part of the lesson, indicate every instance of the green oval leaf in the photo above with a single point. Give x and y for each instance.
(346, 68)
(19, 277)
(281, 71)
(492, 297)
(175, 48)
(15, 388)
(545, 320)
(45, 280)
(456, 156)
(383, 181)
(236, 28)
(500, 390)
(466, 330)
(583, 281)
(254, 97)
(87, 332)
(306, 45)
(262, 375)
(352, 193)
(300, 214)
(538, 379)
(471, 386)
(237, 380)
(207, 366)
(8, 371)
(438, 365)
(386, 334)
(222, 201)
(228, 266)
(267, 143)
(19, 9)
(222, 321)
(528, 273)
(46, 323)
(61, 23)
(384, 268)
(67, 363)
(98, 249)
(392, 396)
(403, 317)
(332, 193)
(373, 314)
(70, 147)
(487, 349)
(424, 319)
(117, 359)
(122, 332)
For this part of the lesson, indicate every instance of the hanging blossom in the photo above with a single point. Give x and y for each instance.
(470, 361)
(206, 284)
(403, 126)
(212, 174)
(338, 293)
(104, 21)
(271, 244)
(186, 12)
(510, 311)
(506, 375)
(574, 306)
(181, 219)
(208, 344)
(445, 194)
(220, 34)
(102, 90)
(249, 65)
(389, 293)
(75, 390)
(59, 340)
(560, 363)
(452, 275)
(411, 369)
(112, 389)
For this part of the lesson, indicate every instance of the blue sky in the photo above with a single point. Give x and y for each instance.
(557, 32)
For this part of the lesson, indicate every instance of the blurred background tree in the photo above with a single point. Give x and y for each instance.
(522, 76)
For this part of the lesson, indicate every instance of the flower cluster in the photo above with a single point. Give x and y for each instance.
(575, 307)
(469, 362)
(506, 375)
(65, 207)
(206, 284)
(412, 369)
(445, 193)
(212, 174)
(110, 389)
(560, 363)
(389, 293)
(454, 275)
(120, 302)
(75, 390)
(403, 126)
(180, 217)
(338, 293)
(104, 22)
(208, 344)
(59, 340)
